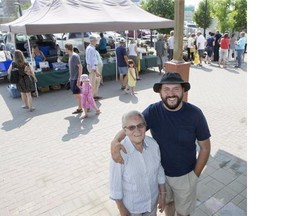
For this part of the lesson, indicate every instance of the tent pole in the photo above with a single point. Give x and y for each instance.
(31, 63)
(116, 77)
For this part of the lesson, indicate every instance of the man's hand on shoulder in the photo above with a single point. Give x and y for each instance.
(115, 151)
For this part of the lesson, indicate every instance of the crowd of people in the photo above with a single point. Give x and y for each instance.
(216, 47)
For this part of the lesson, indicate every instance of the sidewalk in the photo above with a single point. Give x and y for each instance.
(53, 164)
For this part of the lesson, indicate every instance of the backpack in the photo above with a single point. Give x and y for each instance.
(14, 75)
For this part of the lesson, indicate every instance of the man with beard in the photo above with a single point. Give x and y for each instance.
(176, 125)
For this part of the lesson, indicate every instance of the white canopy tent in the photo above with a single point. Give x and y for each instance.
(57, 16)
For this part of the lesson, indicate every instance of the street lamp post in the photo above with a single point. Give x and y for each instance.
(19, 6)
(205, 19)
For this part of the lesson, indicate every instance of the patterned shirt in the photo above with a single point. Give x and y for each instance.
(136, 182)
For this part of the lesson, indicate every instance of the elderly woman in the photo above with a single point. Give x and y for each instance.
(138, 184)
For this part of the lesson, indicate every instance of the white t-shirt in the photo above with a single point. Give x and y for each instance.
(171, 42)
(190, 42)
(131, 49)
(201, 42)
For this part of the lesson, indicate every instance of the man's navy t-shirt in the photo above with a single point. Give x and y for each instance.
(176, 133)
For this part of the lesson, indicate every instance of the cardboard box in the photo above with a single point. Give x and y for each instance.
(44, 89)
(56, 87)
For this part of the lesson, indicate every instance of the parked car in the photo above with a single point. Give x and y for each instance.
(139, 33)
(45, 42)
(79, 41)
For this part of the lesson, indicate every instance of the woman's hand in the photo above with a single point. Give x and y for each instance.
(161, 201)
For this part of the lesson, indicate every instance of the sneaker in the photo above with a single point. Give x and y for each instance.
(24, 107)
(97, 98)
(77, 111)
(32, 109)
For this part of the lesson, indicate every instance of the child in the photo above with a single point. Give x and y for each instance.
(131, 77)
(87, 100)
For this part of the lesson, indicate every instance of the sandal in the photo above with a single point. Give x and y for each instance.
(77, 111)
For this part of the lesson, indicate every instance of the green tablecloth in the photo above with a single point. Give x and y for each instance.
(109, 69)
(150, 61)
(61, 76)
(52, 77)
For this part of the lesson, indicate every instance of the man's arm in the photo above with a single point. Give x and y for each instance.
(126, 59)
(116, 146)
(80, 70)
(122, 209)
(203, 156)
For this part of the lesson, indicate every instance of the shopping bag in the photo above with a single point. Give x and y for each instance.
(196, 58)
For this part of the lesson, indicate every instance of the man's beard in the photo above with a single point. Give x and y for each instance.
(174, 106)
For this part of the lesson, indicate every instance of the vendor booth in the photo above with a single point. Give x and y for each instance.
(54, 77)
(59, 16)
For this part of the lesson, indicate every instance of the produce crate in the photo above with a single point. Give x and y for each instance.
(5, 65)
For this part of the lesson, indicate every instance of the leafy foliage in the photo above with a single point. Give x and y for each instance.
(162, 8)
(202, 17)
(241, 15)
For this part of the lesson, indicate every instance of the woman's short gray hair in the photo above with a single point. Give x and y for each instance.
(130, 114)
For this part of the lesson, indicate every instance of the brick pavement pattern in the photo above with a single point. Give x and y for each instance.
(54, 164)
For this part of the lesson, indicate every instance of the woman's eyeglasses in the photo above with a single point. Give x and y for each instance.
(133, 127)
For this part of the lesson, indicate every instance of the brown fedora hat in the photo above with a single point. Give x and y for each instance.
(171, 78)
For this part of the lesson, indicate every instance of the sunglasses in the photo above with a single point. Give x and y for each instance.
(133, 127)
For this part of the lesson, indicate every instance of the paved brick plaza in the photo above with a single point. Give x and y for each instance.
(53, 164)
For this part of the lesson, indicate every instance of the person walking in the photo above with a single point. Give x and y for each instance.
(75, 71)
(142, 164)
(209, 47)
(160, 52)
(87, 100)
(133, 54)
(122, 63)
(91, 61)
(170, 42)
(224, 46)
(232, 53)
(240, 46)
(27, 79)
(217, 46)
(176, 125)
(201, 43)
(190, 44)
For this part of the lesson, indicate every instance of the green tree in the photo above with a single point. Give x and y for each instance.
(162, 8)
(202, 16)
(222, 11)
(240, 15)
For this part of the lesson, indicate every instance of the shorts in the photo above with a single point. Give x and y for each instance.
(123, 70)
(161, 61)
(74, 88)
(201, 53)
(183, 191)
